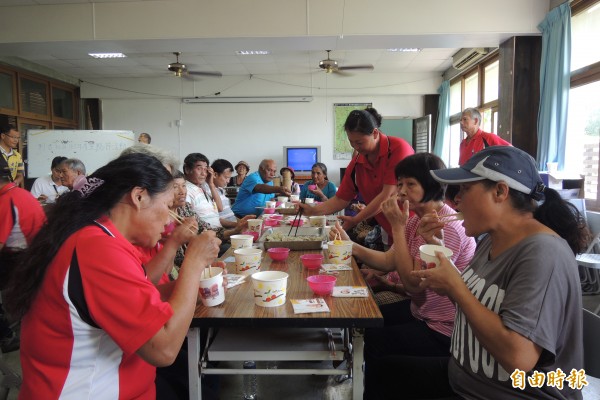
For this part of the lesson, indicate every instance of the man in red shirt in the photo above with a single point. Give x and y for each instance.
(476, 139)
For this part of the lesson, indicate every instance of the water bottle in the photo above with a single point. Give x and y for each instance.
(249, 382)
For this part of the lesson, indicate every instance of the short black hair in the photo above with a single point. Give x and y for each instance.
(6, 127)
(56, 161)
(220, 165)
(191, 160)
(418, 166)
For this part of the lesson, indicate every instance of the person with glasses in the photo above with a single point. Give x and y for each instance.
(47, 188)
(9, 140)
(257, 189)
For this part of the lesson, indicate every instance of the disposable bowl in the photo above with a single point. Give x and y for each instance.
(321, 285)
(278, 253)
(311, 261)
(269, 210)
(271, 222)
(297, 222)
(427, 253)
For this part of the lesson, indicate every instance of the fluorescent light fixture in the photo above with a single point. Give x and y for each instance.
(405, 50)
(107, 55)
(260, 99)
(252, 52)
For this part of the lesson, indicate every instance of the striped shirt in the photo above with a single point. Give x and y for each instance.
(438, 311)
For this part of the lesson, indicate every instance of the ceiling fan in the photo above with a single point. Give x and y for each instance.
(331, 66)
(179, 69)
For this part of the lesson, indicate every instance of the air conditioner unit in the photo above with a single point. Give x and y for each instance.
(465, 58)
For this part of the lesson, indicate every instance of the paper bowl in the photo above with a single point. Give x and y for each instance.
(241, 241)
(212, 292)
(321, 285)
(269, 288)
(339, 253)
(278, 253)
(311, 261)
(247, 261)
(427, 252)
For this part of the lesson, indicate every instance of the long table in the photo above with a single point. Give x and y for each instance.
(352, 315)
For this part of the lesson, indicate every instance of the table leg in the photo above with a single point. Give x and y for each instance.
(193, 338)
(357, 363)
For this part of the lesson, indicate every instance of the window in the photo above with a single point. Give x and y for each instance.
(582, 151)
(63, 103)
(33, 97)
(478, 87)
(8, 92)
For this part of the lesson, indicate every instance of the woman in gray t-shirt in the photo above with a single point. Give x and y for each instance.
(518, 327)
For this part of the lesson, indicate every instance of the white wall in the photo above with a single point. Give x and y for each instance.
(249, 132)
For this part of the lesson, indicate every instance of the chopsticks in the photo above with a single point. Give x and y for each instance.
(209, 269)
(177, 218)
(297, 218)
(451, 217)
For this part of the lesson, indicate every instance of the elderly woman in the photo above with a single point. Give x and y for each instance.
(71, 171)
(223, 169)
(185, 210)
(319, 187)
(82, 291)
(519, 300)
(241, 168)
(420, 326)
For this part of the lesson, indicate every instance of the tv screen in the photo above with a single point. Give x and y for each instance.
(302, 158)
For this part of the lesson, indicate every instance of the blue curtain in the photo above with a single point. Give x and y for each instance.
(443, 121)
(555, 75)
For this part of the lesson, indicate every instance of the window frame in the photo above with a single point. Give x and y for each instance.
(15, 110)
(27, 114)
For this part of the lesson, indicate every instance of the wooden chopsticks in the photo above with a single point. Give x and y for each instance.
(297, 218)
(451, 217)
(177, 218)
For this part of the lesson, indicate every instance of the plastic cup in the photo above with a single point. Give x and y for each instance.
(212, 292)
(339, 252)
(319, 221)
(427, 252)
(241, 241)
(247, 261)
(309, 200)
(294, 198)
(270, 288)
(312, 187)
(282, 199)
(270, 204)
(255, 225)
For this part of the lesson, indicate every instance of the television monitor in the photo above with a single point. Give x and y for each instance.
(301, 158)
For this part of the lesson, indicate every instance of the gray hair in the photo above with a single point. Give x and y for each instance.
(167, 158)
(474, 113)
(75, 164)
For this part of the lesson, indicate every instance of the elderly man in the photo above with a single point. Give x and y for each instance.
(476, 139)
(69, 170)
(9, 140)
(256, 189)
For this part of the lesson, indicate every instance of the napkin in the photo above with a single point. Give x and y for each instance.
(336, 267)
(309, 306)
(350, 291)
(234, 280)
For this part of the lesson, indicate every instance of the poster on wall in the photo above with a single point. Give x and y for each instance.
(341, 146)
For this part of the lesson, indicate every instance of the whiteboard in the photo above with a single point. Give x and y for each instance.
(94, 148)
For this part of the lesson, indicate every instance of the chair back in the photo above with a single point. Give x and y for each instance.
(591, 343)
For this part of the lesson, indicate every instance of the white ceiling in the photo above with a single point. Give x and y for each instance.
(298, 54)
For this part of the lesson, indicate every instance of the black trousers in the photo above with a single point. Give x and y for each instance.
(405, 359)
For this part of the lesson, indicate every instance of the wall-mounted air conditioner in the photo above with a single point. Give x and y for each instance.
(465, 58)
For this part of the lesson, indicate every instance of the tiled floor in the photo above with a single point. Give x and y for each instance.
(277, 387)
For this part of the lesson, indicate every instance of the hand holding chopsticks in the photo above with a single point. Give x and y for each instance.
(451, 217)
(182, 221)
(296, 220)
